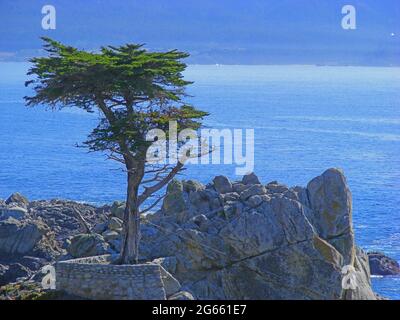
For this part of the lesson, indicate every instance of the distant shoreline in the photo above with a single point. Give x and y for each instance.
(26, 61)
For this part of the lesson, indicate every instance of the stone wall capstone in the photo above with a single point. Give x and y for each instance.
(94, 278)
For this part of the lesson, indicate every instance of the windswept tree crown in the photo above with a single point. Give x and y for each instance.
(135, 89)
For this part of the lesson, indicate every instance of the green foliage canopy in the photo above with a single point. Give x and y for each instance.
(135, 90)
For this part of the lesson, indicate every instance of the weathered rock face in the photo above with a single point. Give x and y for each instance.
(33, 234)
(12, 272)
(224, 240)
(383, 265)
(18, 199)
(86, 245)
(250, 241)
(61, 218)
(18, 237)
(222, 184)
(331, 204)
(15, 212)
(118, 209)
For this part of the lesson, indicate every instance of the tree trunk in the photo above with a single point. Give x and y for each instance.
(131, 225)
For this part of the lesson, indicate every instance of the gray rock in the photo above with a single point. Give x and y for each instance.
(200, 201)
(3, 269)
(33, 263)
(222, 184)
(15, 212)
(382, 265)
(18, 199)
(250, 179)
(110, 235)
(182, 295)
(13, 272)
(115, 224)
(168, 263)
(175, 202)
(202, 222)
(268, 245)
(171, 285)
(253, 190)
(331, 202)
(100, 228)
(291, 194)
(192, 185)
(232, 210)
(60, 216)
(231, 196)
(118, 209)
(18, 237)
(175, 186)
(254, 201)
(115, 244)
(270, 242)
(302, 196)
(277, 188)
(86, 245)
(239, 187)
(265, 198)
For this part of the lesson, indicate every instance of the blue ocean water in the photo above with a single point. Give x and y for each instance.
(306, 119)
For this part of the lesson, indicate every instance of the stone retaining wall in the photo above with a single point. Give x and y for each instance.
(95, 278)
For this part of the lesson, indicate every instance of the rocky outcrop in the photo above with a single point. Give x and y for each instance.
(382, 265)
(61, 217)
(20, 237)
(224, 240)
(17, 199)
(36, 233)
(245, 240)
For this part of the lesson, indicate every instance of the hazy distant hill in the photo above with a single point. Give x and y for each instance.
(215, 31)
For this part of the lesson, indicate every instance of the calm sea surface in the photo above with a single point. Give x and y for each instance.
(306, 119)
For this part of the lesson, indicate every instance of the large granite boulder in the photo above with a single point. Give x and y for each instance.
(250, 178)
(115, 224)
(118, 209)
(86, 245)
(222, 184)
(331, 203)
(174, 202)
(286, 243)
(20, 237)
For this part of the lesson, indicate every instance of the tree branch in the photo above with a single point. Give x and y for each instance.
(106, 111)
(154, 204)
(163, 168)
(153, 189)
(112, 157)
